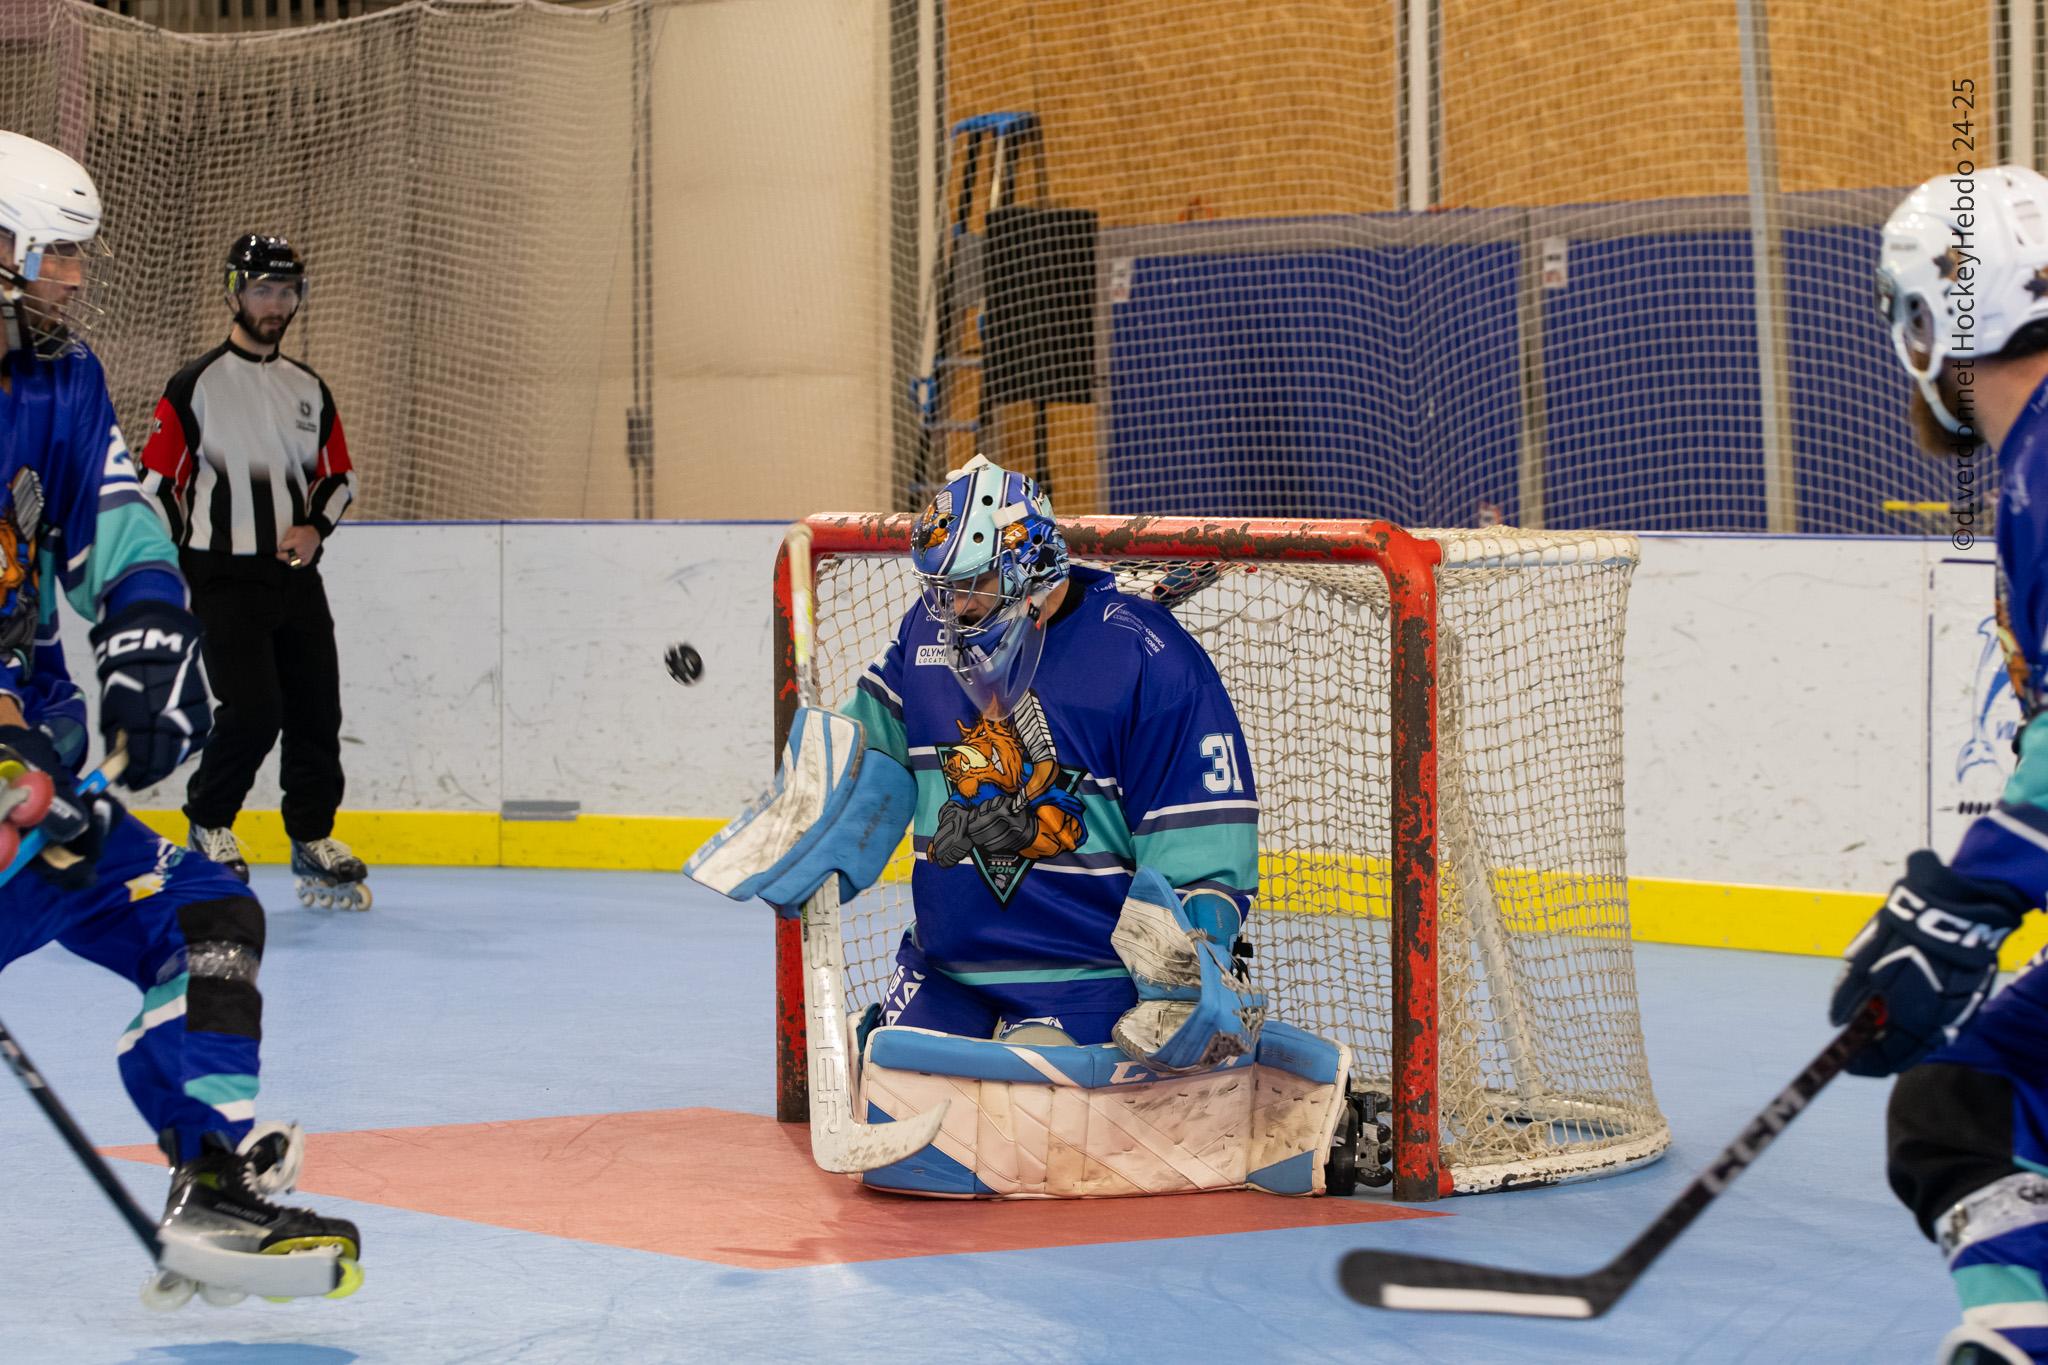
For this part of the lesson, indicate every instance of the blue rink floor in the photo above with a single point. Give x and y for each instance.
(472, 995)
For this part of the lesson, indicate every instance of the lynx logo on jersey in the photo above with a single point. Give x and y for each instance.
(1011, 801)
(18, 597)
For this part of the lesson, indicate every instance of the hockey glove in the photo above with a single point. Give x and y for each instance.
(152, 688)
(77, 824)
(1931, 951)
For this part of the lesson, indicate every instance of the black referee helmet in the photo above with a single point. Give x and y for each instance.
(257, 256)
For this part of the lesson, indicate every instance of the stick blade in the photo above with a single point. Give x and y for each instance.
(841, 1145)
(300, 1275)
(1427, 1284)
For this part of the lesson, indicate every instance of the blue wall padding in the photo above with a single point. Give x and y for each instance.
(1312, 383)
(1385, 382)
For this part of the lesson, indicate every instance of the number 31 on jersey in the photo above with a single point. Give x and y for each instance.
(1223, 774)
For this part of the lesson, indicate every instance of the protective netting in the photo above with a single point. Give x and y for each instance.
(1551, 264)
(1557, 264)
(458, 180)
(1542, 1072)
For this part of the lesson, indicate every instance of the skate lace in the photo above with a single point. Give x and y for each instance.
(218, 845)
(328, 851)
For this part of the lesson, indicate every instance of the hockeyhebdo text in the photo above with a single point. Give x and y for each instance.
(1965, 501)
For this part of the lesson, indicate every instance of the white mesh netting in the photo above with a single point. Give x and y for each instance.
(1542, 1072)
(458, 180)
(1565, 264)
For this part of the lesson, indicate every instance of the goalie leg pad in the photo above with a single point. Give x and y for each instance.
(1058, 1122)
(837, 806)
(1195, 1008)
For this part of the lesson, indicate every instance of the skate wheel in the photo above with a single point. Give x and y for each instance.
(37, 791)
(10, 843)
(351, 1279)
(221, 1298)
(167, 1292)
(359, 897)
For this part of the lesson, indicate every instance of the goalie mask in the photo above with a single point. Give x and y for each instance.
(266, 285)
(987, 555)
(1963, 266)
(49, 237)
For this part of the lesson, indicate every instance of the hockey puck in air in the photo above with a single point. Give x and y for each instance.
(685, 664)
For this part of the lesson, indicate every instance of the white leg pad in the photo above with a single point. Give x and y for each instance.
(1065, 1122)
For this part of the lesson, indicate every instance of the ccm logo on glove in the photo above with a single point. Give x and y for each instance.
(128, 641)
(1937, 923)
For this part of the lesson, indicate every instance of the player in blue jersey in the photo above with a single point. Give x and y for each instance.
(73, 518)
(1963, 281)
(1062, 735)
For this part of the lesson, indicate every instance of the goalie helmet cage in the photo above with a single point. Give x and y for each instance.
(1434, 725)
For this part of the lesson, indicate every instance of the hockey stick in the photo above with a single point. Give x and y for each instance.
(1429, 1284)
(295, 1276)
(840, 1142)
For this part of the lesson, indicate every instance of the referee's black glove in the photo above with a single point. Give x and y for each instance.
(152, 688)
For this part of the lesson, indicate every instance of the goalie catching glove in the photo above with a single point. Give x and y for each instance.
(152, 688)
(1931, 952)
(837, 806)
(1195, 1008)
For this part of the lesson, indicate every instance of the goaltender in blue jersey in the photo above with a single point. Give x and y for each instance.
(1080, 800)
(1042, 789)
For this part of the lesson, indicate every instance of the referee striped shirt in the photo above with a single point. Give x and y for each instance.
(244, 448)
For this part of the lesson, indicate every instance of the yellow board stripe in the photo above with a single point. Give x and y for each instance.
(1767, 919)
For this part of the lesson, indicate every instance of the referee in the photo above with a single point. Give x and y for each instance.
(248, 465)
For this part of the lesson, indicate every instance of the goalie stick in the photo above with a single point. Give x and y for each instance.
(840, 1142)
(299, 1275)
(1429, 1284)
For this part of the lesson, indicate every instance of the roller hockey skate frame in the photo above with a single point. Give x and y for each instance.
(299, 1274)
(329, 876)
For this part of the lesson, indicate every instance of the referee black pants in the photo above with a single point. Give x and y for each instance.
(270, 657)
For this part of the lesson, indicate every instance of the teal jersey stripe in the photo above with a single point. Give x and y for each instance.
(884, 731)
(1034, 975)
(1205, 853)
(223, 1088)
(124, 538)
(2028, 785)
(1980, 1286)
(157, 996)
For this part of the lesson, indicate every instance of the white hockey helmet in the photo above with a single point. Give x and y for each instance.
(50, 207)
(1963, 266)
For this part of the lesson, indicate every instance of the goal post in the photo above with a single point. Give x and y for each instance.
(1452, 906)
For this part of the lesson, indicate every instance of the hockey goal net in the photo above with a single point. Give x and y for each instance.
(1434, 725)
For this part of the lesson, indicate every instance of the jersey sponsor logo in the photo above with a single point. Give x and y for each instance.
(1010, 800)
(928, 655)
(1118, 614)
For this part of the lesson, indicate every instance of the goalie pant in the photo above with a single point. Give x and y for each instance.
(187, 935)
(1967, 1138)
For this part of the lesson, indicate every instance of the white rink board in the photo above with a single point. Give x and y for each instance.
(1780, 724)
(1776, 709)
(484, 663)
